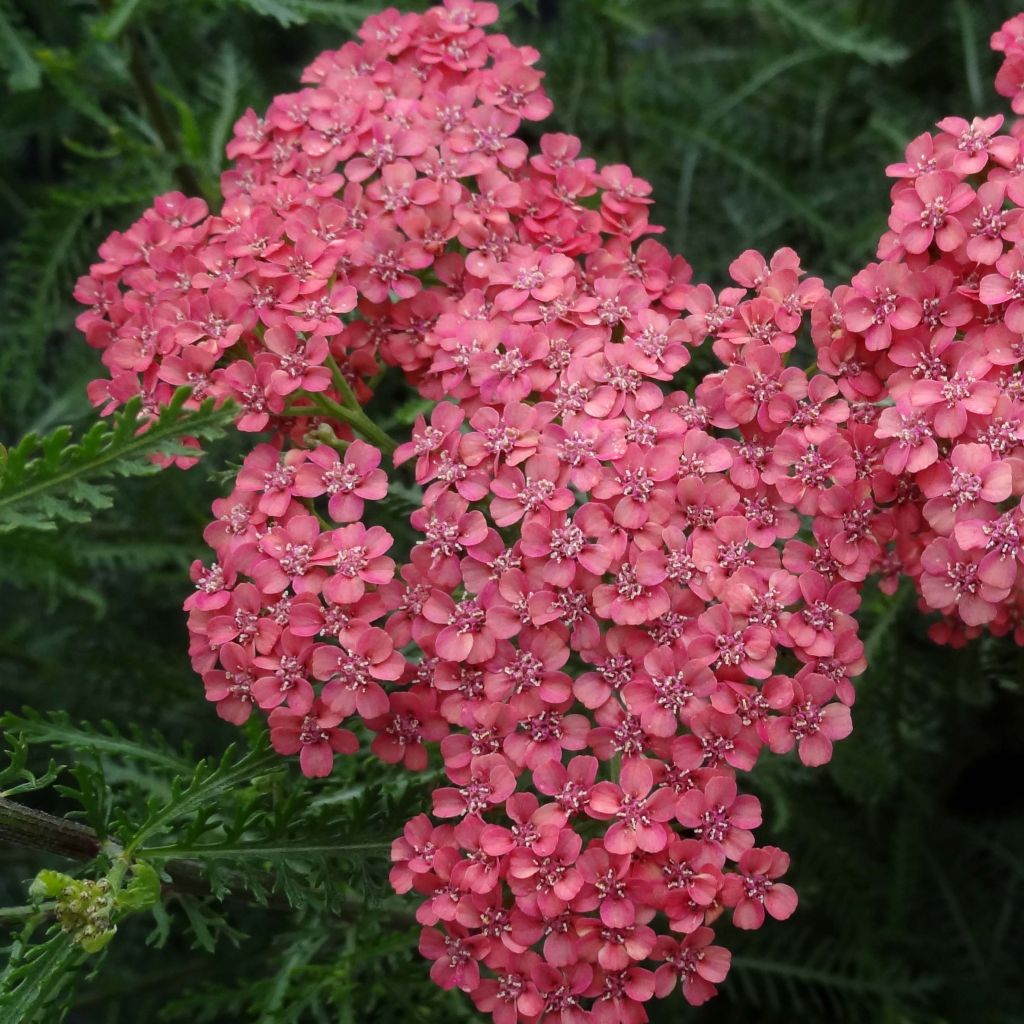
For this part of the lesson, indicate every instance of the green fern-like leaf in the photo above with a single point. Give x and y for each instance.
(199, 794)
(50, 480)
(36, 979)
(57, 730)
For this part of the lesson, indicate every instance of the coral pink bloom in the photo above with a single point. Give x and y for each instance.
(514, 370)
(990, 224)
(613, 949)
(267, 473)
(717, 739)
(814, 721)
(952, 399)
(455, 954)
(359, 560)
(924, 211)
(621, 996)
(295, 554)
(615, 663)
(1010, 81)
(754, 890)
(531, 669)
(241, 621)
(609, 888)
(349, 482)
(523, 492)
(681, 880)
(509, 437)
(913, 446)
(638, 486)
(1002, 541)
(445, 420)
(569, 785)
(977, 142)
(448, 529)
(558, 992)
(695, 962)
(565, 546)
(921, 158)
(510, 992)
(760, 388)
(294, 363)
(413, 852)
(1007, 286)
(883, 299)
(534, 827)
(719, 818)
(951, 580)
(213, 586)
(725, 643)
(826, 614)
(314, 737)
(231, 686)
(410, 722)
(283, 674)
(544, 885)
(668, 688)
(353, 670)
(530, 275)
(964, 486)
(640, 817)
(636, 595)
(490, 782)
(385, 264)
(470, 629)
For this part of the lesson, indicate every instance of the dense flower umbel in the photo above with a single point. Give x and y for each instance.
(620, 595)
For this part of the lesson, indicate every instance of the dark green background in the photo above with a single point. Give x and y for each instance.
(760, 124)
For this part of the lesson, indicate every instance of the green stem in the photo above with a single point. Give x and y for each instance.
(11, 914)
(342, 384)
(358, 421)
(24, 826)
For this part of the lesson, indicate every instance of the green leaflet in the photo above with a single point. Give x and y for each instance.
(46, 481)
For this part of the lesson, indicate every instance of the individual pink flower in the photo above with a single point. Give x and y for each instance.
(925, 210)
(952, 580)
(410, 722)
(697, 964)
(883, 299)
(292, 555)
(358, 561)
(282, 674)
(640, 817)
(354, 670)
(813, 722)
(231, 687)
(455, 955)
(719, 818)
(313, 736)
(350, 481)
(636, 595)
(490, 782)
(754, 890)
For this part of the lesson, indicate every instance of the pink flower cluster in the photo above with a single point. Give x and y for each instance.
(927, 342)
(620, 594)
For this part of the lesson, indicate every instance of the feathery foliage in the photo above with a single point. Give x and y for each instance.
(45, 481)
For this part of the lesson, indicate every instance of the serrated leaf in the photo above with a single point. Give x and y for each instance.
(46, 481)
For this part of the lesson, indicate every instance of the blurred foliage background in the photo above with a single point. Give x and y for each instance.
(760, 123)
